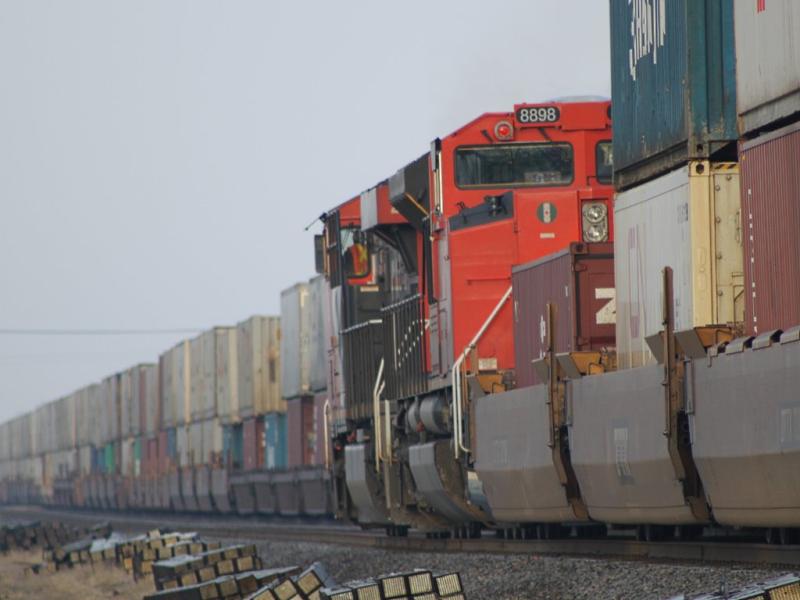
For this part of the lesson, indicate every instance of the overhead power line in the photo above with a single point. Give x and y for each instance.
(97, 331)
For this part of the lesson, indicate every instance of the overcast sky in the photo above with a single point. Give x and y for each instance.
(160, 159)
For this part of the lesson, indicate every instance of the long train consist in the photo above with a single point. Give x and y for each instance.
(497, 337)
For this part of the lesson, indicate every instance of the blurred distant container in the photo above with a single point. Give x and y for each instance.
(254, 443)
(301, 431)
(767, 62)
(150, 415)
(226, 364)
(233, 446)
(295, 341)
(203, 375)
(109, 409)
(276, 450)
(175, 385)
(322, 437)
(319, 333)
(183, 446)
(673, 87)
(259, 386)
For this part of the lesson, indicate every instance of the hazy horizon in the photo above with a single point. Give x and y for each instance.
(159, 161)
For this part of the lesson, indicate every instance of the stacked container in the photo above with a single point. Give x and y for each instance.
(674, 112)
(768, 103)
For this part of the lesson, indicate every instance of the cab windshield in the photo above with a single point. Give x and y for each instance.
(514, 165)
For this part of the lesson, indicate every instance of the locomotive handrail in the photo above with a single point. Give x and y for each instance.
(456, 379)
(377, 390)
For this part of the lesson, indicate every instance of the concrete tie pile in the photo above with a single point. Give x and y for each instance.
(785, 587)
(48, 536)
(413, 585)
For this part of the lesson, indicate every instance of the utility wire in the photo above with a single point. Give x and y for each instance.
(95, 331)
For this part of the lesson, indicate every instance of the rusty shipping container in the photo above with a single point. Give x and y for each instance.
(771, 205)
(579, 281)
(767, 62)
(253, 442)
(301, 431)
(259, 383)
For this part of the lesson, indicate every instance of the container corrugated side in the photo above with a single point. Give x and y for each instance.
(203, 375)
(300, 431)
(175, 385)
(319, 333)
(688, 220)
(227, 375)
(673, 89)
(211, 449)
(579, 282)
(767, 62)
(258, 353)
(151, 413)
(295, 340)
(127, 400)
(771, 215)
(276, 451)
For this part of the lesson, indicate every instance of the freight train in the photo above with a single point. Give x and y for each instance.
(497, 336)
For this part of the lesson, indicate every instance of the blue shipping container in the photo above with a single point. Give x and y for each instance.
(673, 85)
(276, 446)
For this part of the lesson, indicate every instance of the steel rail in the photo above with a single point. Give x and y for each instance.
(244, 529)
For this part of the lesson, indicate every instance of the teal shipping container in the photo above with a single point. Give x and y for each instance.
(110, 461)
(276, 448)
(673, 85)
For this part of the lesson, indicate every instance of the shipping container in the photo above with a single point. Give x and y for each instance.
(688, 220)
(254, 443)
(295, 341)
(771, 214)
(259, 386)
(203, 375)
(322, 426)
(175, 385)
(319, 333)
(227, 373)
(767, 62)
(301, 431)
(673, 88)
(151, 413)
(211, 450)
(275, 443)
(110, 410)
(183, 449)
(579, 282)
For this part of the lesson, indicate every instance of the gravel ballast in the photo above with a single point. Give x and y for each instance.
(524, 577)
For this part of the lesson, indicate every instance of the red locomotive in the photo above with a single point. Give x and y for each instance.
(420, 274)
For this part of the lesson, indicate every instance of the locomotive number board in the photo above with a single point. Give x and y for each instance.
(529, 115)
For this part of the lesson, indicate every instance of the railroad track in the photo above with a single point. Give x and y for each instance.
(341, 534)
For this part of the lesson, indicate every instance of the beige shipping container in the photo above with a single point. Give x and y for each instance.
(259, 382)
(690, 221)
(127, 401)
(212, 441)
(226, 375)
(109, 409)
(96, 414)
(203, 374)
(175, 385)
(83, 415)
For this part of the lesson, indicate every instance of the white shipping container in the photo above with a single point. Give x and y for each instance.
(259, 370)
(84, 466)
(295, 342)
(211, 442)
(195, 448)
(127, 401)
(109, 410)
(183, 444)
(319, 333)
(688, 220)
(175, 385)
(151, 402)
(767, 61)
(96, 414)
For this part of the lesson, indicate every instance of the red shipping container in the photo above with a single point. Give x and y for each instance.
(770, 184)
(300, 431)
(579, 281)
(163, 457)
(253, 442)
